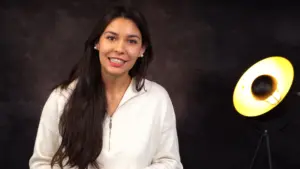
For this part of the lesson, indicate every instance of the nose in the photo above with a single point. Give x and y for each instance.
(120, 46)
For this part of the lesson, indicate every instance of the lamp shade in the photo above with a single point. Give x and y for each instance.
(263, 86)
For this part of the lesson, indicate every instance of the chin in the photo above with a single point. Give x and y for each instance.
(116, 73)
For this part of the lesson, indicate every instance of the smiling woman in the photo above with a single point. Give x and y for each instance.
(119, 47)
(107, 115)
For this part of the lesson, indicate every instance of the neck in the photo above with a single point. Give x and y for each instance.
(116, 85)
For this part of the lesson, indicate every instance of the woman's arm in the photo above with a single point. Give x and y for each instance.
(47, 138)
(167, 155)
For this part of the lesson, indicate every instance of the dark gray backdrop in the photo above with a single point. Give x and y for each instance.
(200, 50)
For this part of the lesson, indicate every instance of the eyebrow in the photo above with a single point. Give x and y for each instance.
(130, 36)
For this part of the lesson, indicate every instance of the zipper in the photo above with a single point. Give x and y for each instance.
(110, 121)
(110, 126)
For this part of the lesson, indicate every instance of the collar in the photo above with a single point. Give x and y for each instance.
(131, 91)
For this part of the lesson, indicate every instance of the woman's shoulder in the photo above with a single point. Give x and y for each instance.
(64, 92)
(156, 88)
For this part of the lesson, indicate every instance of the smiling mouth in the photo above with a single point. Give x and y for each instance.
(117, 60)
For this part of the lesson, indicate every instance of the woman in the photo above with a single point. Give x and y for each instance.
(107, 115)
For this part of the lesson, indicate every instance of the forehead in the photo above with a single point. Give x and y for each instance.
(123, 26)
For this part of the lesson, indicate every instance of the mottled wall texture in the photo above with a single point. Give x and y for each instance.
(201, 50)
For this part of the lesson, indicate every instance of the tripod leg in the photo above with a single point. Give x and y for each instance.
(256, 151)
(268, 149)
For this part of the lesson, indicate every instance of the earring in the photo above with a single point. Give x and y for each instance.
(142, 56)
(95, 47)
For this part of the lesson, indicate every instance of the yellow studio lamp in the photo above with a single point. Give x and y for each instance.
(261, 88)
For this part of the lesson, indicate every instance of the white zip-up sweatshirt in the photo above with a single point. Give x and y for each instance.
(140, 135)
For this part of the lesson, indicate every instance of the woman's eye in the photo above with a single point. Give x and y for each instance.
(110, 38)
(133, 41)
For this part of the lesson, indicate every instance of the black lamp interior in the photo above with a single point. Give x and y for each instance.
(263, 87)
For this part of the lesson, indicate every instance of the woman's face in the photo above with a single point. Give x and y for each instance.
(119, 47)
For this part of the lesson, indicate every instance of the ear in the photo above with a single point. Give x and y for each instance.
(142, 51)
(96, 46)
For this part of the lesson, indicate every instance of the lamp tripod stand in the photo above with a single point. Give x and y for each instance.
(264, 136)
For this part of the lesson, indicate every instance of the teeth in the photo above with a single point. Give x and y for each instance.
(116, 60)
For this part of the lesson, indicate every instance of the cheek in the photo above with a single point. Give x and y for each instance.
(102, 56)
(104, 49)
(103, 52)
(134, 52)
(133, 57)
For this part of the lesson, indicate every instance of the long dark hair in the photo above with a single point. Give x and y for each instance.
(81, 122)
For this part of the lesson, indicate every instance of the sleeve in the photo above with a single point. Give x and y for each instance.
(47, 138)
(167, 155)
